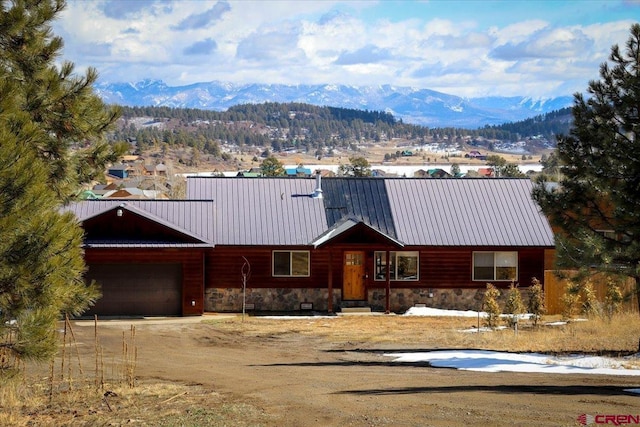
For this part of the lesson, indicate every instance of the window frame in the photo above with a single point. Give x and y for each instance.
(291, 253)
(495, 266)
(379, 269)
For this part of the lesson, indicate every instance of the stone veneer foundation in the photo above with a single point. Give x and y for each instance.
(297, 299)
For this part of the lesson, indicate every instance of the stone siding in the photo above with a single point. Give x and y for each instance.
(289, 299)
(278, 299)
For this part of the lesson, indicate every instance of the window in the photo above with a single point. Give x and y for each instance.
(290, 263)
(403, 265)
(495, 266)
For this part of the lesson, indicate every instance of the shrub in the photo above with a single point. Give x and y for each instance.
(612, 299)
(514, 306)
(570, 300)
(491, 306)
(536, 301)
(590, 304)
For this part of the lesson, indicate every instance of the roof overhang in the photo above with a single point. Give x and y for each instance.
(348, 225)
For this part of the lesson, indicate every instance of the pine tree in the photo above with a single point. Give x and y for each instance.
(597, 203)
(57, 100)
(272, 167)
(46, 114)
(357, 167)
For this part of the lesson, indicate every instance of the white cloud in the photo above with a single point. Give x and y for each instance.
(297, 42)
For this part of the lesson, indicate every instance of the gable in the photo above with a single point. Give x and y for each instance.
(353, 231)
(140, 223)
(130, 226)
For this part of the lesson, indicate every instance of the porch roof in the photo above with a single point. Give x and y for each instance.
(349, 224)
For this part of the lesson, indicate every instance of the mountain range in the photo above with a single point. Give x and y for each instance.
(417, 106)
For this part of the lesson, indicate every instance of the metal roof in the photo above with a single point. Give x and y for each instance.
(190, 217)
(362, 198)
(467, 212)
(434, 212)
(261, 211)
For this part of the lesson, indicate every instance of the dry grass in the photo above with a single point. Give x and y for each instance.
(598, 336)
(70, 398)
(148, 404)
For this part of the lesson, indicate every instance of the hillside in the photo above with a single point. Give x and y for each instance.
(412, 105)
(319, 133)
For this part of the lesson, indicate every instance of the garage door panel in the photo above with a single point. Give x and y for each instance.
(137, 289)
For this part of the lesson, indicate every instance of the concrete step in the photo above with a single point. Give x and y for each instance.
(355, 310)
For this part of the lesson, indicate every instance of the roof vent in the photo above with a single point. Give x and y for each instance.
(317, 193)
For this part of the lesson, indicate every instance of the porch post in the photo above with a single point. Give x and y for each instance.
(388, 287)
(330, 296)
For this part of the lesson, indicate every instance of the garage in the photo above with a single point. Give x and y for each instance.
(137, 289)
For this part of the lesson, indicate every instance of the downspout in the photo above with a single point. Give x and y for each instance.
(388, 287)
(330, 284)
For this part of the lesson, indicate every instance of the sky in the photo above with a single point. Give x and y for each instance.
(466, 48)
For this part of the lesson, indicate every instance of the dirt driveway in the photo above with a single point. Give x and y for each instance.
(292, 377)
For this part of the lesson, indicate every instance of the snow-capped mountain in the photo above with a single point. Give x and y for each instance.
(419, 106)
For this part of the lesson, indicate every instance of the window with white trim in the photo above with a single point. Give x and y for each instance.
(291, 263)
(499, 266)
(402, 266)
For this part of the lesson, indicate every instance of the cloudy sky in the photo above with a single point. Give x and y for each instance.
(465, 48)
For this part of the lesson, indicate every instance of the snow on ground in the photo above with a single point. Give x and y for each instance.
(429, 311)
(496, 361)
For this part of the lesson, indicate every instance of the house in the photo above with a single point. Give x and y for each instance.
(147, 255)
(299, 171)
(475, 154)
(485, 172)
(155, 170)
(119, 171)
(387, 243)
(133, 193)
(321, 244)
(438, 173)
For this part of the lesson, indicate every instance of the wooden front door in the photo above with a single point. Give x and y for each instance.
(353, 278)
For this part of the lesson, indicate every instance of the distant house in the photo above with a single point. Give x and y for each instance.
(155, 170)
(438, 173)
(130, 158)
(474, 154)
(385, 243)
(300, 171)
(486, 172)
(133, 193)
(118, 171)
(248, 174)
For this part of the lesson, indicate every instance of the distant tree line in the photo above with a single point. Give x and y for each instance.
(283, 126)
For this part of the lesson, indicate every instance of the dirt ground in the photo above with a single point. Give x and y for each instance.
(313, 373)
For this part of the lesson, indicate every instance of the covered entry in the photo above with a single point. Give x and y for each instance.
(353, 238)
(137, 289)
